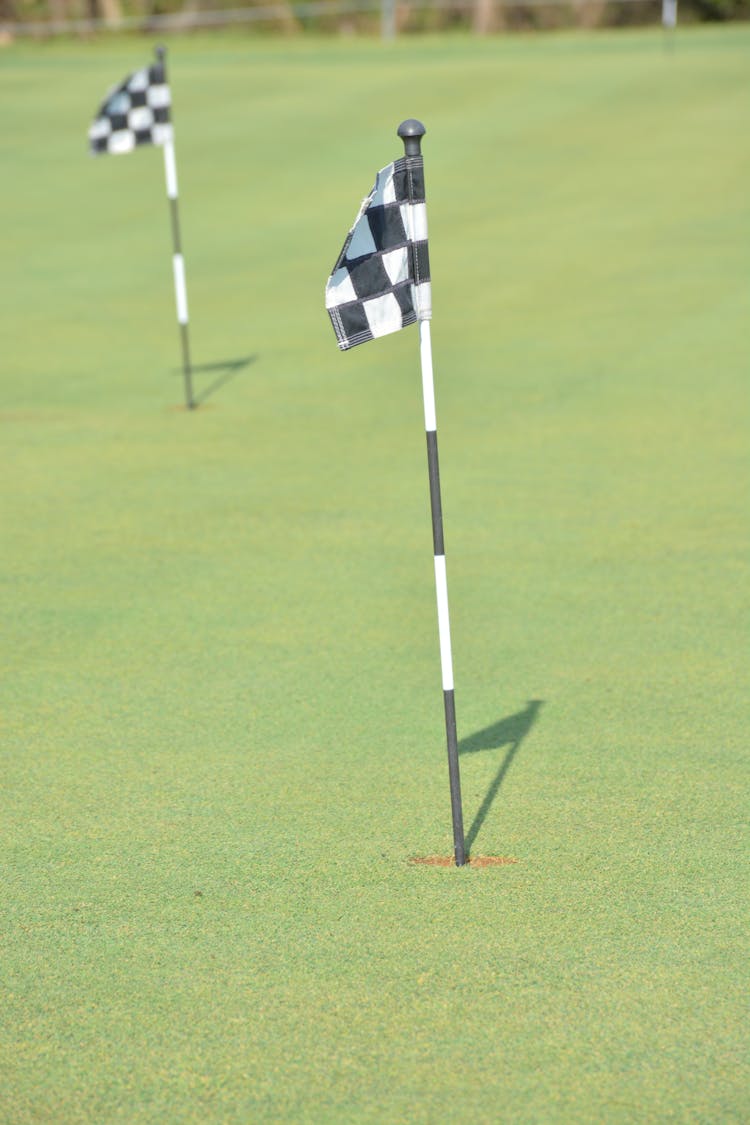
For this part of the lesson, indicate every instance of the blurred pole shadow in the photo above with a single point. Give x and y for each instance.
(229, 369)
(510, 731)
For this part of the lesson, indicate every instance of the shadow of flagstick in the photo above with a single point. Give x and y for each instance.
(229, 368)
(511, 731)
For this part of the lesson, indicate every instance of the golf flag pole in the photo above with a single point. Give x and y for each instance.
(381, 284)
(178, 262)
(411, 133)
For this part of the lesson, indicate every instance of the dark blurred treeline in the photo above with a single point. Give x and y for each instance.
(353, 16)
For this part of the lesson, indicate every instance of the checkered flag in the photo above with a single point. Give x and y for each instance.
(381, 281)
(134, 113)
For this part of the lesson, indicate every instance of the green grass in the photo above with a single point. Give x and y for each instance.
(222, 712)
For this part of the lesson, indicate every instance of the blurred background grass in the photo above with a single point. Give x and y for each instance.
(223, 726)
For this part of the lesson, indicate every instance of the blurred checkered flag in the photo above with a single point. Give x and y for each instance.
(134, 113)
(381, 281)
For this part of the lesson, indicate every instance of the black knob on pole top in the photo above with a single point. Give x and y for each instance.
(411, 132)
(160, 53)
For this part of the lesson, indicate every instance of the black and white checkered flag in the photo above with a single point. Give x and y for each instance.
(134, 113)
(381, 281)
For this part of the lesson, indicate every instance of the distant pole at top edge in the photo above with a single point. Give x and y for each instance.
(388, 19)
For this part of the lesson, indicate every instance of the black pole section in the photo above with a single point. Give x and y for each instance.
(177, 257)
(411, 132)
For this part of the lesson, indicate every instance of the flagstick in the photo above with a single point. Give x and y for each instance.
(411, 132)
(178, 262)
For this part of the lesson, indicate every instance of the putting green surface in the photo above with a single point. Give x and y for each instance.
(223, 737)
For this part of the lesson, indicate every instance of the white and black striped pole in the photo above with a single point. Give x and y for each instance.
(411, 133)
(178, 262)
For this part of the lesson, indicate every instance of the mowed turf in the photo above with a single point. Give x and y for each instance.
(223, 735)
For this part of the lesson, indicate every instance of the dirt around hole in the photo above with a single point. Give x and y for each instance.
(473, 861)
